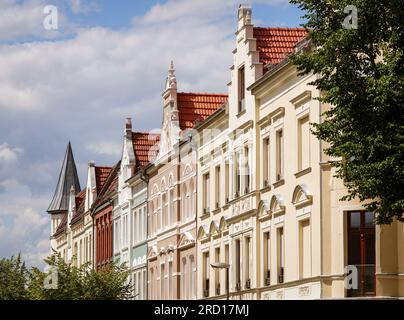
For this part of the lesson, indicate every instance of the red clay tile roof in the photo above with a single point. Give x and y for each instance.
(80, 197)
(146, 147)
(110, 185)
(194, 107)
(101, 174)
(275, 44)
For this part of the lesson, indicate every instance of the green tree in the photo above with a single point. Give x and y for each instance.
(13, 279)
(361, 74)
(79, 283)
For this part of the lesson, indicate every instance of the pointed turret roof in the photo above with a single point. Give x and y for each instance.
(67, 178)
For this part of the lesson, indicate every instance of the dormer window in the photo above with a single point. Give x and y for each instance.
(241, 89)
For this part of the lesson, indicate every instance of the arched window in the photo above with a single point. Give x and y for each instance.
(172, 213)
(184, 203)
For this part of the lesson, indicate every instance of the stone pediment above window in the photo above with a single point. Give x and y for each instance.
(302, 196)
(203, 233)
(223, 225)
(152, 253)
(277, 205)
(264, 209)
(186, 241)
(214, 228)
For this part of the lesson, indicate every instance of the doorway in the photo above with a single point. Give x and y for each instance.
(361, 251)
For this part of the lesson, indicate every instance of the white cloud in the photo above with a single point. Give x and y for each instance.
(19, 20)
(106, 147)
(23, 226)
(9, 155)
(83, 88)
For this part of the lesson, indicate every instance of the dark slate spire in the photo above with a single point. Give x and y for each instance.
(67, 178)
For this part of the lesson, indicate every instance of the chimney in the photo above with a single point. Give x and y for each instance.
(244, 16)
(128, 128)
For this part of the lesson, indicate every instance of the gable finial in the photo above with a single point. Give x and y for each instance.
(171, 82)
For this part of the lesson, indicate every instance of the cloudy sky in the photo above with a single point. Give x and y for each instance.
(106, 61)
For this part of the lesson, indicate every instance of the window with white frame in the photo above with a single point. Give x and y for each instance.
(217, 187)
(304, 249)
(162, 282)
(265, 161)
(279, 155)
(192, 272)
(192, 198)
(303, 143)
(172, 213)
(206, 192)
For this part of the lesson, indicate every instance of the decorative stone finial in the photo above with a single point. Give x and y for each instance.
(171, 82)
(244, 15)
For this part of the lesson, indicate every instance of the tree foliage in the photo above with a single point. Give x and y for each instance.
(361, 74)
(13, 279)
(63, 281)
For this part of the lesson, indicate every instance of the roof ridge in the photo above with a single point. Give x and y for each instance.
(280, 28)
(145, 132)
(204, 93)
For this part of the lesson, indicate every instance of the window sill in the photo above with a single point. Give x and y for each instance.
(204, 215)
(241, 112)
(217, 210)
(302, 172)
(265, 188)
(279, 183)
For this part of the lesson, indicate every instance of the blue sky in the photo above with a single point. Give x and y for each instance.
(107, 61)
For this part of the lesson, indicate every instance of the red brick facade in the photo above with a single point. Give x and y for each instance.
(103, 237)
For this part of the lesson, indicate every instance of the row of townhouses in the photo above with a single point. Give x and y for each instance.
(234, 192)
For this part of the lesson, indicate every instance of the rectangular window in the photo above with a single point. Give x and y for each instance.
(192, 276)
(267, 258)
(217, 271)
(238, 264)
(206, 191)
(162, 282)
(206, 271)
(305, 249)
(227, 181)
(237, 174)
(217, 188)
(144, 285)
(241, 89)
(246, 170)
(247, 261)
(303, 143)
(170, 280)
(265, 162)
(280, 255)
(279, 155)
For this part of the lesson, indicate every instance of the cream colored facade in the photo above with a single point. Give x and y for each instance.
(281, 225)
(75, 242)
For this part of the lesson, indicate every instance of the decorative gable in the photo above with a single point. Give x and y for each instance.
(186, 240)
(277, 204)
